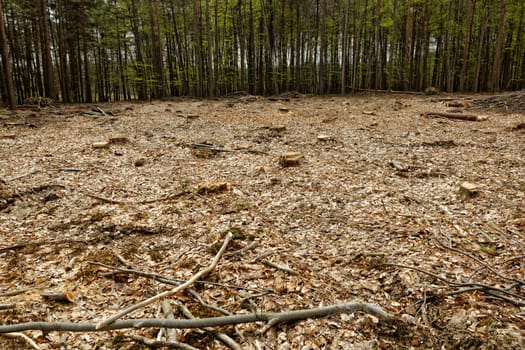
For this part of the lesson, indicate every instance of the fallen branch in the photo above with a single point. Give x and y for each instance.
(289, 316)
(219, 335)
(280, 267)
(222, 149)
(171, 334)
(484, 266)
(148, 201)
(161, 343)
(171, 281)
(490, 290)
(469, 117)
(166, 294)
(241, 251)
(14, 292)
(23, 336)
(203, 303)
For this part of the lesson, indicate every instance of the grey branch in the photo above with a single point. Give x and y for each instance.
(274, 317)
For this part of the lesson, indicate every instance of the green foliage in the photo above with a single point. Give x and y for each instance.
(121, 46)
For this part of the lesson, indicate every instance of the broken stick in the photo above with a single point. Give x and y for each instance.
(469, 117)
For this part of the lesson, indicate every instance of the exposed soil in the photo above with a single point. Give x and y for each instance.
(373, 212)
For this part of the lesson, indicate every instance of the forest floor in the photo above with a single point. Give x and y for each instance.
(423, 216)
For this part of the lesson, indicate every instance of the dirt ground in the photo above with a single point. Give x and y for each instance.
(376, 210)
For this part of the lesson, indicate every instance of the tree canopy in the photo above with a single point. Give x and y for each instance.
(110, 50)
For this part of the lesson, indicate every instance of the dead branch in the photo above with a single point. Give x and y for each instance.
(222, 149)
(165, 294)
(209, 306)
(468, 117)
(485, 266)
(161, 343)
(280, 267)
(59, 296)
(14, 292)
(171, 333)
(148, 201)
(219, 335)
(241, 251)
(23, 336)
(489, 267)
(20, 245)
(171, 281)
(487, 289)
(289, 316)
(391, 91)
(32, 172)
(6, 306)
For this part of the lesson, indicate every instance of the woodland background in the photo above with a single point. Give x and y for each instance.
(111, 50)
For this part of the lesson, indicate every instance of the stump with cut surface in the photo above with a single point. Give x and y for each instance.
(289, 159)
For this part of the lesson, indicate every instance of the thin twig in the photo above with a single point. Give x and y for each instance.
(167, 293)
(482, 287)
(459, 251)
(484, 267)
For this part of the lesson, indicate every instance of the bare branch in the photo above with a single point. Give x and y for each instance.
(23, 336)
(161, 343)
(219, 335)
(165, 294)
(288, 316)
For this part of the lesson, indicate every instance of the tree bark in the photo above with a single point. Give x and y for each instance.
(47, 63)
(496, 66)
(8, 72)
(466, 50)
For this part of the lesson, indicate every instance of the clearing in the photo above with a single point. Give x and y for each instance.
(423, 216)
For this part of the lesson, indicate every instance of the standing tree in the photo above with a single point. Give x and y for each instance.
(8, 74)
(45, 39)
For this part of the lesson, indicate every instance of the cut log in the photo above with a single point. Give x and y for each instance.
(469, 117)
(67, 296)
(102, 144)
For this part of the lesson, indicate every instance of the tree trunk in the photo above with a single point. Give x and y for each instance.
(466, 49)
(198, 49)
(496, 66)
(322, 49)
(408, 46)
(8, 73)
(87, 80)
(159, 88)
(47, 63)
(483, 30)
(344, 58)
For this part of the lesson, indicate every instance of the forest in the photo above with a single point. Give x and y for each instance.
(114, 50)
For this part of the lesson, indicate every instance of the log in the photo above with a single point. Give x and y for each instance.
(469, 117)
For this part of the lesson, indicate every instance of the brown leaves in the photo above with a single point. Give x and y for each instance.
(378, 185)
